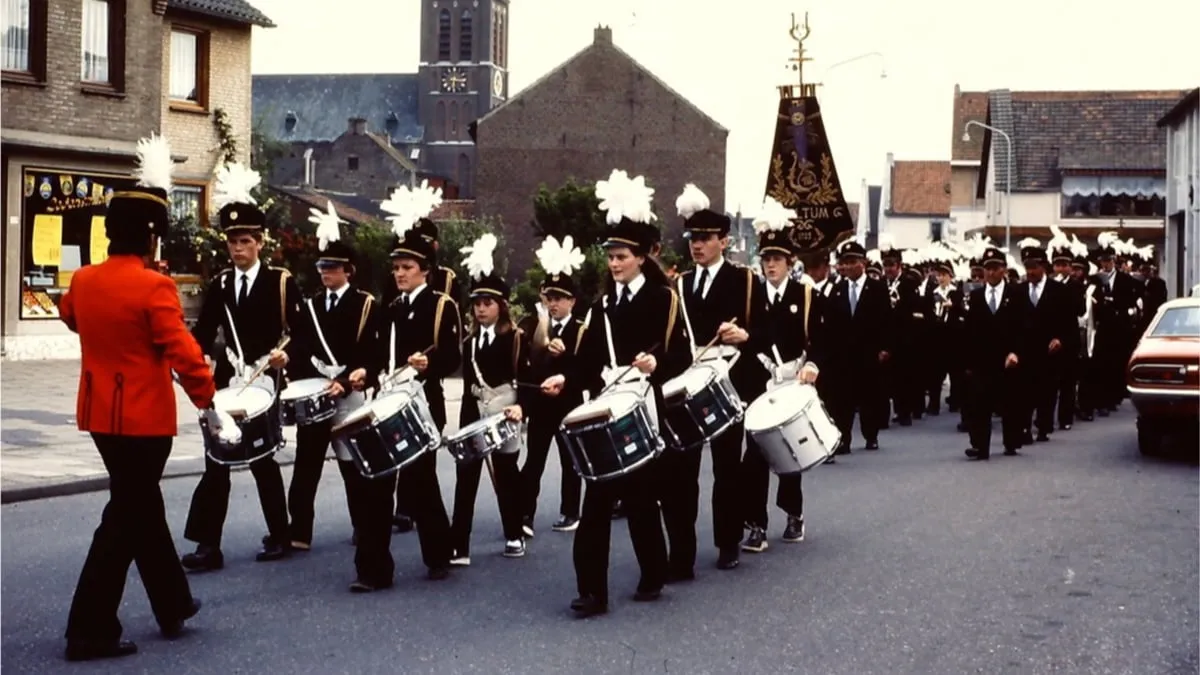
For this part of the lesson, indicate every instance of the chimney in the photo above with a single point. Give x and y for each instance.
(357, 126)
(603, 35)
(957, 91)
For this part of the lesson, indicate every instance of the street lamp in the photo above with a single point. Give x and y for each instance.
(1007, 178)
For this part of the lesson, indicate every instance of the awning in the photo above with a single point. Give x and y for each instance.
(1132, 186)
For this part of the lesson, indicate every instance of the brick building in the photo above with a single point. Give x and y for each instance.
(597, 111)
(82, 81)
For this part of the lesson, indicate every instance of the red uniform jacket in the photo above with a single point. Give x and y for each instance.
(132, 334)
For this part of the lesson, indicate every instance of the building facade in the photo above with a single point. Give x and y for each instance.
(82, 81)
(916, 202)
(597, 111)
(1181, 241)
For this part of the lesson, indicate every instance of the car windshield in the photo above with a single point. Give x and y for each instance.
(1179, 322)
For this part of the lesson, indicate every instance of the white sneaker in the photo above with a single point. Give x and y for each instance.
(514, 548)
(461, 561)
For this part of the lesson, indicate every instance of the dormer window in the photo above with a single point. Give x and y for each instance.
(289, 122)
(391, 124)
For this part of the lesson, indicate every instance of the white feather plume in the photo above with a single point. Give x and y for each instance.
(962, 270)
(1014, 264)
(234, 184)
(327, 223)
(1058, 239)
(1147, 252)
(886, 242)
(773, 216)
(400, 205)
(624, 197)
(154, 163)
(911, 257)
(1078, 248)
(425, 199)
(1029, 242)
(875, 256)
(691, 201)
(560, 258)
(1107, 239)
(479, 261)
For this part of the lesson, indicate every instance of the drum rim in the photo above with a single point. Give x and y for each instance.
(240, 391)
(792, 418)
(641, 402)
(483, 424)
(297, 384)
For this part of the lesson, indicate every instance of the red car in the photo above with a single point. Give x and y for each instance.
(1164, 374)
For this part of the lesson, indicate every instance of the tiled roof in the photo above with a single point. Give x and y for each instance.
(1188, 103)
(1054, 132)
(322, 104)
(454, 209)
(353, 208)
(920, 189)
(968, 106)
(232, 10)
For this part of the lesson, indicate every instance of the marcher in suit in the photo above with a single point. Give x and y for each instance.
(132, 335)
(793, 330)
(1069, 356)
(642, 314)
(1118, 299)
(546, 413)
(995, 324)
(255, 305)
(857, 318)
(1050, 325)
(944, 321)
(723, 301)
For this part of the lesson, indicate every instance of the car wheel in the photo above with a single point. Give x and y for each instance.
(1149, 440)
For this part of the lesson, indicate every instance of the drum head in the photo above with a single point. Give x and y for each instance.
(304, 388)
(390, 404)
(253, 400)
(776, 408)
(477, 426)
(619, 403)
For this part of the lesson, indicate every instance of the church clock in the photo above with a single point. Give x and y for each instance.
(454, 80)
(498, 84)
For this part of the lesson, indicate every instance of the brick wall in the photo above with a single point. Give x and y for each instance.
(601, 111)
(962, 186)
(376, 175)
(61, 106)
(192, 132)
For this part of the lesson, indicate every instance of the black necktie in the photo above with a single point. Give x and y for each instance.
(333, 298)
(703, 283)
(483, 340)
(556, 331)
(244, 291)
(626, 296)
(405, 305)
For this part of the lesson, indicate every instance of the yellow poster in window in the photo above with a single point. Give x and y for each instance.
(46, 241)
(98, 251)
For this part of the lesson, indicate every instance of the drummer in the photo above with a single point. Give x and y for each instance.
(336, 337)
(794, 318)
(420, 328)
(255, 305)
(723, 302)
(495, 361)
(641, 313)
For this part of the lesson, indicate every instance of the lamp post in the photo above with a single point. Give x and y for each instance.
(1007, 177)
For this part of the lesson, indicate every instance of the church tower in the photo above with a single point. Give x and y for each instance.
(463, 74)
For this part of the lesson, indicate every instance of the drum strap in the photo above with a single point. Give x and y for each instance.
(612, 352)
(749, 293)
(807, 307)
(392, 349)
(283, 277)
(237, 342)
(321, 334)
(687, 321)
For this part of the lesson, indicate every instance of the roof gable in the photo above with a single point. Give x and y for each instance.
(920, 188)
(323, 104)
(238, 11)
(968, 106)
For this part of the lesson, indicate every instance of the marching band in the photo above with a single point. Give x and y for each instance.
(741, 360)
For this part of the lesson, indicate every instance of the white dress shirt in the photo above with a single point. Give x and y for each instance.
(712, 274)
(247, 277)
(776, 292)
(634, 287)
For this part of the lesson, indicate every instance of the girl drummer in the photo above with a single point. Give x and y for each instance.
(495, 361)
(640, 312)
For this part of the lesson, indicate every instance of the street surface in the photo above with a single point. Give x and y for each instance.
(1079, 556)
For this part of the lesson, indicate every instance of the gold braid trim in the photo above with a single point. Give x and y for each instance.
(362, 320)
(437, 319)
(587, 321)
(807, 307)
(283, 277)
(449, 280)
(671, 316)
(749, 291)
(517, 333)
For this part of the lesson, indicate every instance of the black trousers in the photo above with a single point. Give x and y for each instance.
(312, 446)
(756, 481)
(1068, 381)
(418, 482)
(593, 539)
(436, 396)
(210, 502)
(508, 495)
(541, 433)
(371, 508)
(995, 390)
(1041, 392)
(858, 390)
(678, 486)
(133, 529)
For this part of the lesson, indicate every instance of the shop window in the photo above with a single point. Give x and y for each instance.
(1114, 197)
(62, 229)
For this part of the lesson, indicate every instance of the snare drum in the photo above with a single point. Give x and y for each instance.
(610, 436)
(389, 433)
(256, 432)
(306, 402)
(792, 429)
(701, 404)
(494, 433)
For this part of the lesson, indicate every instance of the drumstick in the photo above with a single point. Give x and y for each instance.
(712, 342)
(627, 370)
(283, 342)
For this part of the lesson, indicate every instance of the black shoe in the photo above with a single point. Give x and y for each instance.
(204, 559)
(402, 523)
(360, 586)
(916, 416)
(677, 576)
(438, 573)
(872, 445)
(977, 455)
(1043, 437)
(1087, 417)
(962, 427)
(1103, 412)
(756, 542)
(588, 605)
(933, 412)
(795, 530)
(905, 422)
(727, 559)
(1065, 426)
(843, 447)
(1010, 452)
(1027, 438)
(87, 650)
(272, 551)
(174, 629)
(565, 524)
(647, 596)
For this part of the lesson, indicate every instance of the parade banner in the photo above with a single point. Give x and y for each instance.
(803, 177)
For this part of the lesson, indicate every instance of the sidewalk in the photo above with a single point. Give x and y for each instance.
(42, 454)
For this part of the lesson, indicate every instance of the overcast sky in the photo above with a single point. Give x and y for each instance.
(729, 59)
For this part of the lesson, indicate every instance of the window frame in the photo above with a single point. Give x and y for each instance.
(445, 39)
(203, 47)
(466, 36)
(115, 85)
(202, 205)
(352, 163)
(35, 73)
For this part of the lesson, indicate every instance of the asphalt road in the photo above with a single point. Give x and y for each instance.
(1079, 557)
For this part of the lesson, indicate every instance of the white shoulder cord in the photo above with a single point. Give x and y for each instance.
(233, 329)
(321, 334)
(687, 321)
(392, 349)
(612, 352)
